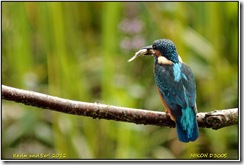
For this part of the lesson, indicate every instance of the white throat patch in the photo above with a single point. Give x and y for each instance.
(164, 61)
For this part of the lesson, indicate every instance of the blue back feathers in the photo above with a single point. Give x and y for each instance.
(177, 71)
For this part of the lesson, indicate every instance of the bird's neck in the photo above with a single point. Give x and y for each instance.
(172, 57)
(166, 59)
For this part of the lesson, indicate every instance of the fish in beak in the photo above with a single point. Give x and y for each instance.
(147, 50)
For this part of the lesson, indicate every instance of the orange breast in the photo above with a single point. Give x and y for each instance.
(167, 110)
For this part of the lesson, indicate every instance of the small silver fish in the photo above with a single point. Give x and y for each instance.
(141, 52)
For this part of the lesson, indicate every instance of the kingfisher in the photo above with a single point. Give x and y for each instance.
(176, 86)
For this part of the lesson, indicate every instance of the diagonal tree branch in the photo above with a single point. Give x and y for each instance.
(215, 119)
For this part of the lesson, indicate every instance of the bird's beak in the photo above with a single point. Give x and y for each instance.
(147, 50)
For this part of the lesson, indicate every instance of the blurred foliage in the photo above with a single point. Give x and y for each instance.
(79, 51)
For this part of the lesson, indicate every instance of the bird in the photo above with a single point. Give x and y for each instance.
(176, 86)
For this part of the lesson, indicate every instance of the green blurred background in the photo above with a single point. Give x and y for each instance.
(79, 51)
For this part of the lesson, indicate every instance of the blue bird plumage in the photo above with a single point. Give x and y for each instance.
(177, 88)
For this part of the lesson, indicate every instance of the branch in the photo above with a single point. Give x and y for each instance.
(214, 119)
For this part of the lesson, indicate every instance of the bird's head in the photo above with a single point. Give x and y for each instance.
(160, 47)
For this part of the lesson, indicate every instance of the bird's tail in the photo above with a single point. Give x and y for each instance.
(186, 126)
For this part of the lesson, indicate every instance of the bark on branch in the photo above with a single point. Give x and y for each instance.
(215, 119)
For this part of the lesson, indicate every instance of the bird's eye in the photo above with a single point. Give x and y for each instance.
(154, 47)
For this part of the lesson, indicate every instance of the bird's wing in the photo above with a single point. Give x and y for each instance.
(189, 84)
(177, 94)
